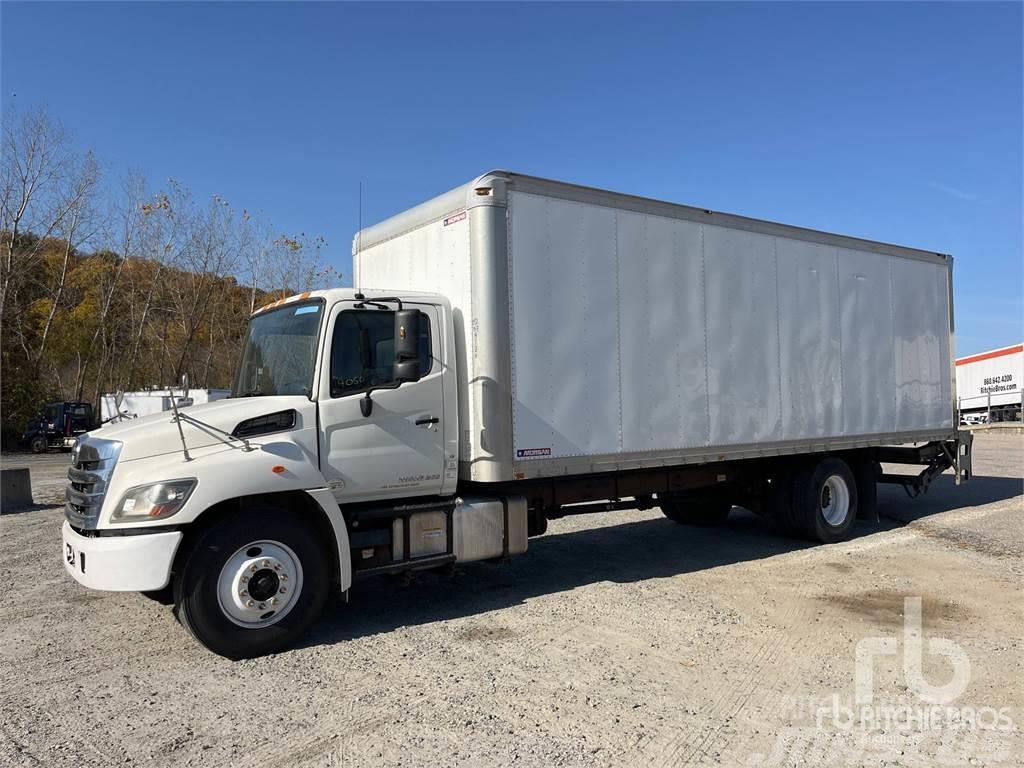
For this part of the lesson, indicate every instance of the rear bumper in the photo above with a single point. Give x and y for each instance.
(120, 563)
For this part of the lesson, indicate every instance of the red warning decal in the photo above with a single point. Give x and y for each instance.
(454, 218)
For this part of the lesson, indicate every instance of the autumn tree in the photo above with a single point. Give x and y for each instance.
(107, 284)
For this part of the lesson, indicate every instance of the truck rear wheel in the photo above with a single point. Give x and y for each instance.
(252, 583)
(825, 500)
(694, 511)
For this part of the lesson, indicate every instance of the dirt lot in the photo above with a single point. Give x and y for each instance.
(619, 639)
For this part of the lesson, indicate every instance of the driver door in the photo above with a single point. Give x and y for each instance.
(398, 450)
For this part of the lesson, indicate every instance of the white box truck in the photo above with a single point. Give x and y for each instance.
(988, 385)
(517, 350)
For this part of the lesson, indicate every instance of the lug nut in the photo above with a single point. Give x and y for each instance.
(284, 577)
(262, 606)
(245, 579)
(282, 590)
(266, 563)
(250, 604)
(242, 593)
(252, 569)
(273, 601)
(277, 566)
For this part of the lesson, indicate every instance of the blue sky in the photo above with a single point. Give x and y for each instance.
(896, 122)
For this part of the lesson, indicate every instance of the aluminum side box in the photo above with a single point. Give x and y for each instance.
(598, 331)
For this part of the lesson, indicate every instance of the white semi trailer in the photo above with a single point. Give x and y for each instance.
(988, 385)
(124, 406)
(517, 350)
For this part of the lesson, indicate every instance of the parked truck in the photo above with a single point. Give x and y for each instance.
(517, 350)
(988, 385)
(58, 425)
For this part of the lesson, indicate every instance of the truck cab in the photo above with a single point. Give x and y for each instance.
(58, 425)
(375, 374)
(335, 454)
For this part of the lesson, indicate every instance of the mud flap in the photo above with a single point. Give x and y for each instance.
(866, 472)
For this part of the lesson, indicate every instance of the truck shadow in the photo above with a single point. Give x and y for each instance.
(622, 553)
(944, 496)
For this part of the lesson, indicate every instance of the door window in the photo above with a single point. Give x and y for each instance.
(363, 350)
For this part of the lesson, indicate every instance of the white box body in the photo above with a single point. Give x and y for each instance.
(599, 332)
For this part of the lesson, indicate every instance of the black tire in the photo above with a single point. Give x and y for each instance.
(704, 512)
(38, 444)
(813, 497)
(196, 599)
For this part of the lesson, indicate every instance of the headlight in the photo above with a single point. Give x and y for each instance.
(154, 501)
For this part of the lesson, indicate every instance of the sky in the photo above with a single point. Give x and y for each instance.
(894, 122)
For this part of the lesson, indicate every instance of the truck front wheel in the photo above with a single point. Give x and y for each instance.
(37, 444)
(252, 583)
(694, 511)
(825, 500)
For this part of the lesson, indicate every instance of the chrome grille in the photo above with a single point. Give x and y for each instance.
(92, 463)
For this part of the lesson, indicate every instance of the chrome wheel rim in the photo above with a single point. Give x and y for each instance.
(259, 584)
(834, 500)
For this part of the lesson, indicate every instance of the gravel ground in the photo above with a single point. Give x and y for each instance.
(618, 639)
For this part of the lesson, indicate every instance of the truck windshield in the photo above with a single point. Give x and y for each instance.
(280, 351)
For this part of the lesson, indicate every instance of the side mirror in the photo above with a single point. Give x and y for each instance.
(407, 346)
(118, 400)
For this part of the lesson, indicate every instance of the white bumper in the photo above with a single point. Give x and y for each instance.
(120, 563)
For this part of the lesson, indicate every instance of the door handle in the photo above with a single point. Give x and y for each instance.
(427, 420)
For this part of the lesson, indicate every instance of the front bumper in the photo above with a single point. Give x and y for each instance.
(138, 563)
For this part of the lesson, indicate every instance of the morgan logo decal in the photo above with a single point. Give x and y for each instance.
(455, 218)
(532, 453)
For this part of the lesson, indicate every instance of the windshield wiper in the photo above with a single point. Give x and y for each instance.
(251, 393)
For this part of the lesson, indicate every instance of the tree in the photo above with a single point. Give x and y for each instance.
(297, 265)
(210, 255)
(76, 196)
(36, 161)
(164, 221)
(114, 286)
(125, 218)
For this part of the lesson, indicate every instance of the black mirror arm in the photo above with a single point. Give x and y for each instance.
(366, 403)
(378, 303)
